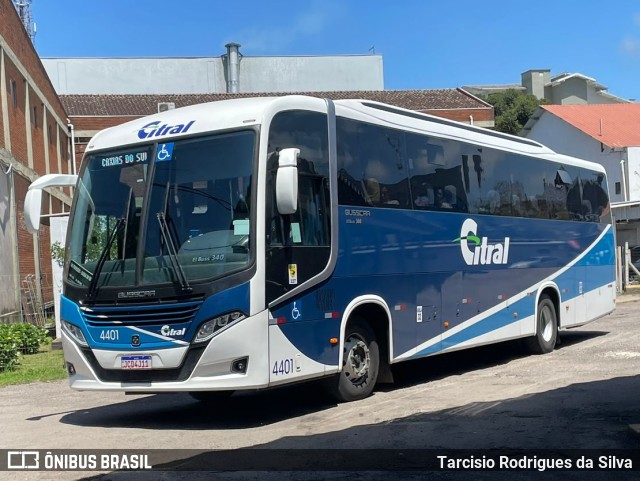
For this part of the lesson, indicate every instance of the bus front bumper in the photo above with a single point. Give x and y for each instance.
(213, 367)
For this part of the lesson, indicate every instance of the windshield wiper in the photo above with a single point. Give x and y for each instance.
(171, 250)
(92, 289)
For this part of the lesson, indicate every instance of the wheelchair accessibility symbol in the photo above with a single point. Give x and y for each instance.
(165, 151)
(295, 312)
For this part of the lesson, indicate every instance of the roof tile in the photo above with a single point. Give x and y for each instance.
(137, 105)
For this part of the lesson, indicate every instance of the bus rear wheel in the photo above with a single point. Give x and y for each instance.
(360, 364)
(546, 334)
(210, 396)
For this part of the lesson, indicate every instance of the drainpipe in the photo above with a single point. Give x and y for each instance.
(73, 145)
(233, 67)
(624, 178)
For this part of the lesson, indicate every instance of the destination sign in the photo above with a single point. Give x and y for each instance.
(129, 158)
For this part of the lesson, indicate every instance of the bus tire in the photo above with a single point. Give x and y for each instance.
(546, 334)
(360, 364)
(210, 396)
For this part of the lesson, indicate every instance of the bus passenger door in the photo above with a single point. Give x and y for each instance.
(298, 250)
(298, 245)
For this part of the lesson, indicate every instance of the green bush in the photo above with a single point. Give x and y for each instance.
(9, 346)
(29, 337)
(19, 338)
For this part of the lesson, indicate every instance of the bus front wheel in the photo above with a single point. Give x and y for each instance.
(360, 364)
(546, 334)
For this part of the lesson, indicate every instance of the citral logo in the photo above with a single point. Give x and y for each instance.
(483, 253)
(154, 129)
(167, 331)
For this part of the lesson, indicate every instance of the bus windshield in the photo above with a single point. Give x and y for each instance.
(166, 213)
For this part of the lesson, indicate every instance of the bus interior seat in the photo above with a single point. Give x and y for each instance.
(426, 198)
(372, 191)
(450, 196)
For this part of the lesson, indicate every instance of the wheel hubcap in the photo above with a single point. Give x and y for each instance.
(357, 359)
(547, 323)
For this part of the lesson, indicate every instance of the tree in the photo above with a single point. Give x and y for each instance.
(513, 109)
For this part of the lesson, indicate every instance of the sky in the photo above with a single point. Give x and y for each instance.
(425, 44)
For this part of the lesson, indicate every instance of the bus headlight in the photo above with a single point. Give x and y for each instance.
(75, 332)
(209, 328)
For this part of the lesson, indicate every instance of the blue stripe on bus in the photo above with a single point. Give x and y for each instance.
(524, 308)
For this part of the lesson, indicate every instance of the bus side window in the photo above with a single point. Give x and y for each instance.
(595, 194)
(372, 167)
(351, 187)
(436, 175)
(386, 166)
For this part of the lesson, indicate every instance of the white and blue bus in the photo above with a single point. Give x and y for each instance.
(250, 243)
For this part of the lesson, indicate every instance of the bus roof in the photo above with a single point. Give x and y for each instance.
(247, 112)
(433, 125)
(391, 116)
(201, 118)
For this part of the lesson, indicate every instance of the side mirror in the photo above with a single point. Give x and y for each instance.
(287, 181)
(33, 199)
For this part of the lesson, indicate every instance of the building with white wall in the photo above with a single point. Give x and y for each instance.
(559, 89)
(231, 72)
(567, 88)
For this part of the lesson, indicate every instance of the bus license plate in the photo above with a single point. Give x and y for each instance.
(135, 362)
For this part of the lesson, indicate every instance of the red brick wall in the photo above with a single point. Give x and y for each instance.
(56, 206)
(61, 153)
(16, 40)
(17, 123)
(99, 123)
(13, 32)
(26, 261)
(16, 113)
(25, 239)
(37, 132)
(52, 144)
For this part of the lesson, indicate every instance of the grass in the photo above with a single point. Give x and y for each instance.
(47, 365)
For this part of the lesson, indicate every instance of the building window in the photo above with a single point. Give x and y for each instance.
(617, 188)
(13, 92)
(51, 134)
(34, 117)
